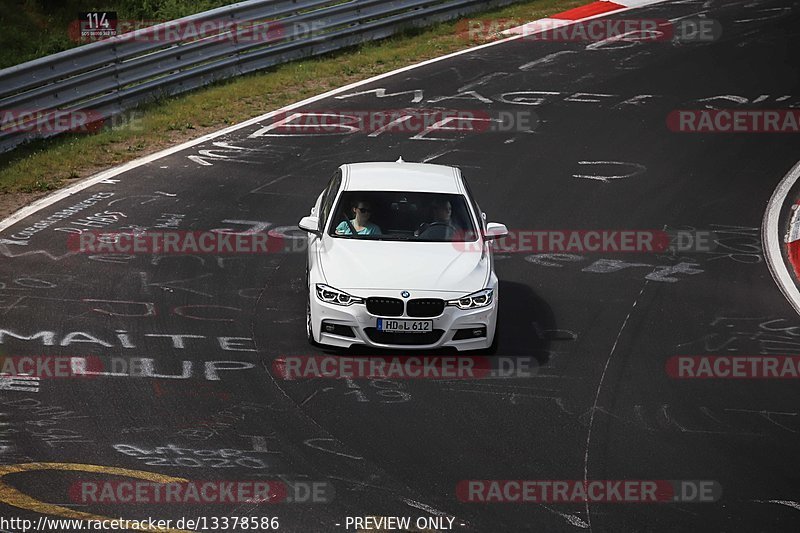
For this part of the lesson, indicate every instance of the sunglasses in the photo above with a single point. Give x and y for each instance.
(363, 209)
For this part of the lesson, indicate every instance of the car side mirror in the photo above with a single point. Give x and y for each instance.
(495, 230)
(311, 225)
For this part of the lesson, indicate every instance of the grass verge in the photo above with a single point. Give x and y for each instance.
(32, 170)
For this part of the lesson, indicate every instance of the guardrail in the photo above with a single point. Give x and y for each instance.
(105, 78)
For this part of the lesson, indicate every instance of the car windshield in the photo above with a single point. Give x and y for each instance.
(402, 216)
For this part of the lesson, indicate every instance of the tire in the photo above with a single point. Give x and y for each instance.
(309, 330)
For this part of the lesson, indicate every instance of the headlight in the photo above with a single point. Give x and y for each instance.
(328, 294)
(474, 300)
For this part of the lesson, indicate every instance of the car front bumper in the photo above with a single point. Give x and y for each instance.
(363, 326)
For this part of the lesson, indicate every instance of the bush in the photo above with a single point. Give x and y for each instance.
(36, 28)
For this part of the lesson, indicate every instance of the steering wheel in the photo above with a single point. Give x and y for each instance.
(428, 225)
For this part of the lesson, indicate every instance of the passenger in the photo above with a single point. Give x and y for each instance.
(360, 222)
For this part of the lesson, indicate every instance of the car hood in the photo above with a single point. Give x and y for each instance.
(351, 264)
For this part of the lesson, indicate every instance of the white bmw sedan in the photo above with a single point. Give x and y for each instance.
(399, 257)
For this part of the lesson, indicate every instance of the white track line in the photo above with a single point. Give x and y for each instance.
(771, 241)
(110, 173)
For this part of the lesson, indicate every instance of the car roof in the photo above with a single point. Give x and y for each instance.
(401, 176)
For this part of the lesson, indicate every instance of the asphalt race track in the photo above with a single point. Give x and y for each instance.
(601, 326)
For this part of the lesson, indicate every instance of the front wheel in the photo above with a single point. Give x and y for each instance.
(309, 327)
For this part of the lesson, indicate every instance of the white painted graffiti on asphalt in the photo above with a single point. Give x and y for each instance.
(543, 97)
(144, 367)
(22, 237)
(19, 383)
(171, 455)
(662, 273)
(123, 339)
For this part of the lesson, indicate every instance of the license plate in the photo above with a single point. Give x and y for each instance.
(405, 326)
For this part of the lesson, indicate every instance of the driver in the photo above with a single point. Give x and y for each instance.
(360, 222)
(442, 211)
(441, 228)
